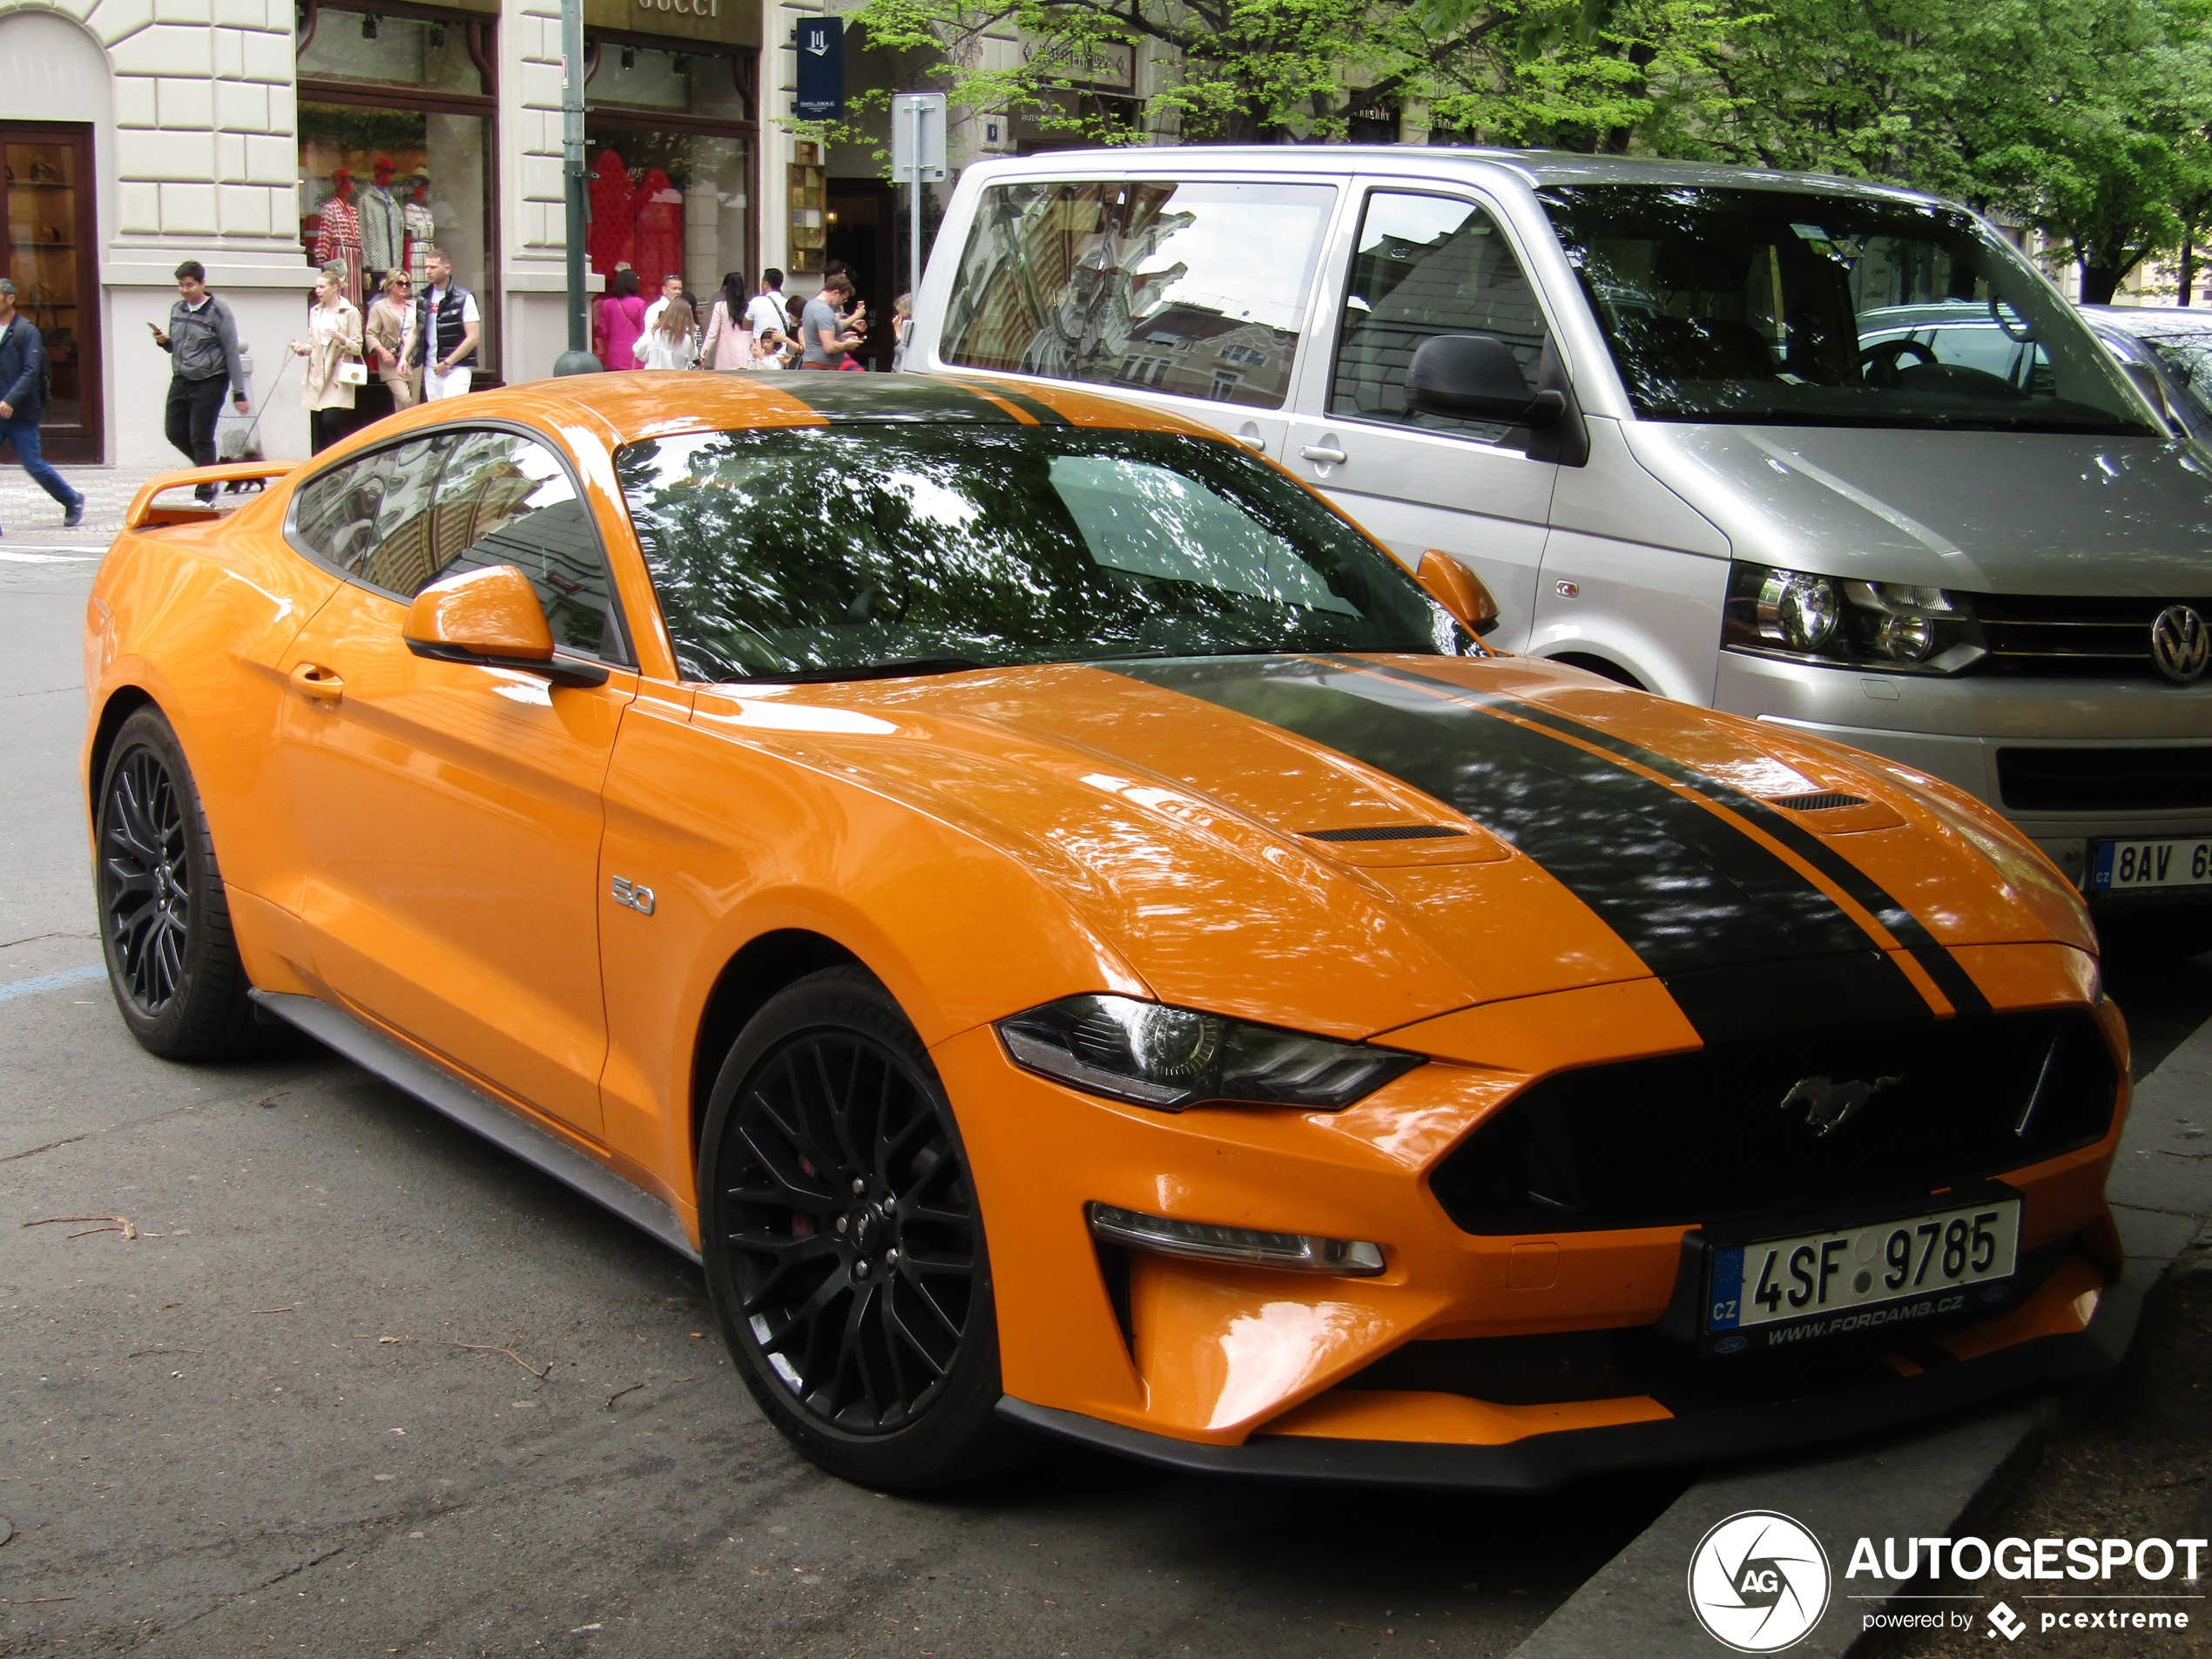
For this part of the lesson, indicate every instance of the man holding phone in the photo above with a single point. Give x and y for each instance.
(202, 338)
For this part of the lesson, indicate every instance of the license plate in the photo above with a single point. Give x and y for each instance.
(1859, 1280)
(2122, 867)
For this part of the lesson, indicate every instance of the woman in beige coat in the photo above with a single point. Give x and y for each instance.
(333, 338)
(390, 332)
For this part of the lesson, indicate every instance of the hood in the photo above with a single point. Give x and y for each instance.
(1350, 845)
(1985, 512)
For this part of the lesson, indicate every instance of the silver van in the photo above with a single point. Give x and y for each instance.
(1805, 450)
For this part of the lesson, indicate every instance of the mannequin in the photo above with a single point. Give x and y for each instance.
(340, 238)
(659, 248)
(383, 237)
(611, 238)
(421, 225)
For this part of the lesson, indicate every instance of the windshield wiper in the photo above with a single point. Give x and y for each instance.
(897, 669)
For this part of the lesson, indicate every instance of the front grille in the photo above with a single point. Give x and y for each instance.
(1700, 1138)
(2105, 779)
(2058, 637)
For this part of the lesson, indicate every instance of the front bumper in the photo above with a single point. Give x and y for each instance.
(1210, 1366)
(1953, 729)
(1542, 1461)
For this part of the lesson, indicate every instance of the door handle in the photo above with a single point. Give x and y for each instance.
(1322, 453)
(317, 684)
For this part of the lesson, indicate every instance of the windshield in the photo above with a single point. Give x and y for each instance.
(1774, 306)
(837, 552)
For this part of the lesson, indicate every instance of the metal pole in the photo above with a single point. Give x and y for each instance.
(913, 217)
(578, 360)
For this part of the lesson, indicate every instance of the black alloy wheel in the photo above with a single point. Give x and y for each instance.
(844, 1243)
(165, 917)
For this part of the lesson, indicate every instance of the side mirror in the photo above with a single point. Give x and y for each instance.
(490, 618)
(2154, 391)
(1458, 590)
(1475, 377)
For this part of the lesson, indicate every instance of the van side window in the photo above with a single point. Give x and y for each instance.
(1427, 265)
(1196, 290)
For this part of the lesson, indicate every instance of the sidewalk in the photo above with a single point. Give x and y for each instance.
(31, 520)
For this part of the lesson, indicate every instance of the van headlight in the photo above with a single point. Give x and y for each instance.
(1168, 1058)
(1810, 618)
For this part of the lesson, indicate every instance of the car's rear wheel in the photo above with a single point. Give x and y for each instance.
(165, 920)
(843, 1242)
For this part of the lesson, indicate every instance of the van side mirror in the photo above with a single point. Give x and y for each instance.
(1475, 377)
(490, 618)
(1458, 590)
(2154, 391)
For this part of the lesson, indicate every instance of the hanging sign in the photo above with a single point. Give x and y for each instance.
(821, 69)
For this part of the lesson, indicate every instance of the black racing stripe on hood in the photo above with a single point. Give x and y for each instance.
(901, 399)
(1743, 942)
(1042, 414)
(1952, 980)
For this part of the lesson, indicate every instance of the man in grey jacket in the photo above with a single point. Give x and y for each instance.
(203, 339)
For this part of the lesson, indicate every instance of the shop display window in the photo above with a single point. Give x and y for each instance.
(669, 136)
(48, 255)
(397, 134)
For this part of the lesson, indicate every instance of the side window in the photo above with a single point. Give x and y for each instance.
(1198, 290)
(368, 517)
(503, 499)
(1426, 266)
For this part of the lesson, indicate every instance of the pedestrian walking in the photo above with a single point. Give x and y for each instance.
(671, 288)
(621, 321)
(389, 330)
(446, 328)
(23, 402)
(668, 344)
(727, 340)
(202, 344)
(333, 349)
(769, 309)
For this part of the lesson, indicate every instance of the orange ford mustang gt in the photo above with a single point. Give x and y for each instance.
(1077, 938)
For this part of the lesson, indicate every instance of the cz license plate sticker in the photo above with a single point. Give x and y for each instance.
(2125, 866)
(1852, 1281)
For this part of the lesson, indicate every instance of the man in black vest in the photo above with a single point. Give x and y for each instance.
(447, 326)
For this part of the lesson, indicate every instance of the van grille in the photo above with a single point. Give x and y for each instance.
(1699, 1138)
(2050, 637)
(2105, 779)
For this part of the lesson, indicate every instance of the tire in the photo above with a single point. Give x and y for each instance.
(843, 1243)
(172, 961)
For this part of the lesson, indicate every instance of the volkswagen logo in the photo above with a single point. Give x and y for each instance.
(2180, 643)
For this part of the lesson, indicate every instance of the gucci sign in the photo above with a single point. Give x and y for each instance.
(688, 8)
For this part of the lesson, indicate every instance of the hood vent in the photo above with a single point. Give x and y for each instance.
(1817, 803)
(1386, 832)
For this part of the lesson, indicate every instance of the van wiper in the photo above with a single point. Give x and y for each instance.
(898, 669)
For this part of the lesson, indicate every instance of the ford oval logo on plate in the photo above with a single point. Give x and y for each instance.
(1729, 1345)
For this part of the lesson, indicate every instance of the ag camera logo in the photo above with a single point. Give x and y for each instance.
(1758, 1582)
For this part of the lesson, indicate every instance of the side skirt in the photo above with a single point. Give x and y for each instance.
(473, 1109)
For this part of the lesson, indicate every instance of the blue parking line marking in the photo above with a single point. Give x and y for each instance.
(67, 977)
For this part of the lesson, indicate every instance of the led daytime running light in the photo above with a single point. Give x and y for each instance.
(1203, 1241)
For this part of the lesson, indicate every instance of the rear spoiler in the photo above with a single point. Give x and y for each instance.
(143, 515)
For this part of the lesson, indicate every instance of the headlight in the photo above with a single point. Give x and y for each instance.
(1891, 625)
(1170, 1058)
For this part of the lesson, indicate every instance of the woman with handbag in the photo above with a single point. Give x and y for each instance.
(727, 342)
(333, 349)
(390, 334)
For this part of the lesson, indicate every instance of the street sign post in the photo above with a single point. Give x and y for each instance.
(917, 158)
(821, 69)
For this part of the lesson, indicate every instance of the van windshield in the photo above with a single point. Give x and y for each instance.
(1804, 309)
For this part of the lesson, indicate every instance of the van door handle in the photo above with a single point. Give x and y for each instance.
(1324, 454)
(317, 684)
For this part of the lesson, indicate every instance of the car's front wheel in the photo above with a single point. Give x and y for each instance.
(844, 1244)
(164, 918)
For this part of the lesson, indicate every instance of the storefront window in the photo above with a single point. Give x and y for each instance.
(396, 137)
(48, 255)
(669, 136)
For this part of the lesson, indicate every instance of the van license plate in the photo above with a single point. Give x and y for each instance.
(2122, 867)
(1856, 1280)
